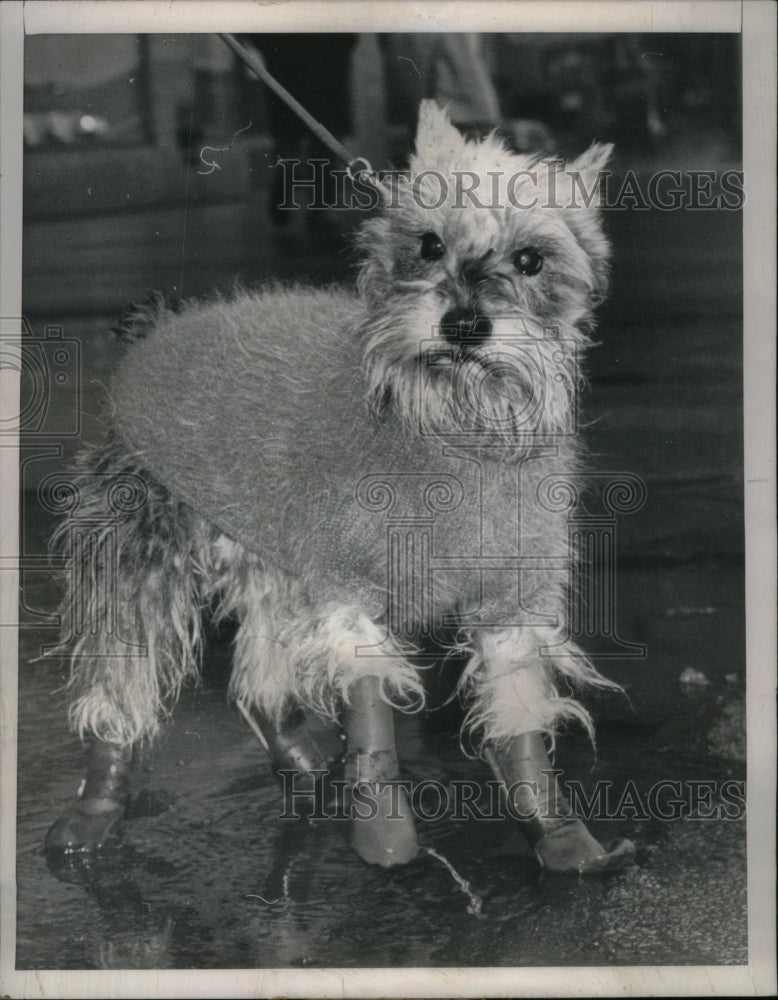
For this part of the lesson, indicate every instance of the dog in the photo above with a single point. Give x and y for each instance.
(344, 471)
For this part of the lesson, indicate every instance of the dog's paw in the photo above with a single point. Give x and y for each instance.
(571, 849)
(86, 825)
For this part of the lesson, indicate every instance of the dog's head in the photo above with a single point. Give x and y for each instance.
(480, 277)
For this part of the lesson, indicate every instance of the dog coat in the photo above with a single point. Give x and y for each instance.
(253, 412)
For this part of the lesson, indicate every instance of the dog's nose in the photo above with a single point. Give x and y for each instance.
(460, 326)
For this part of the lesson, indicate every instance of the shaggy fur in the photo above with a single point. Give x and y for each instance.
(281, 433)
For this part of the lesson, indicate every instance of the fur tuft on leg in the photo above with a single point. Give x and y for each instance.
(288, 652)
(345, 646)
(513, 690)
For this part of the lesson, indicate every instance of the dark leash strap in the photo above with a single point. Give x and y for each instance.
(355, 165)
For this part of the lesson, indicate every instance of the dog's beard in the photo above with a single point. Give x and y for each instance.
(515, 388)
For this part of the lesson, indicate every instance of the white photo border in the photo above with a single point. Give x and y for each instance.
(756, 21)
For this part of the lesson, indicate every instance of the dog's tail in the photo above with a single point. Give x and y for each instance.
(141, 316)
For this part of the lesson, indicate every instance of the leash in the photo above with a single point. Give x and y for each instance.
(356, 166)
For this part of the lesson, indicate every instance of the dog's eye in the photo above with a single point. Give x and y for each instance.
(528, 261)
(432, 247)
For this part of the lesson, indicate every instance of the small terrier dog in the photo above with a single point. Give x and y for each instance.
(346, 472)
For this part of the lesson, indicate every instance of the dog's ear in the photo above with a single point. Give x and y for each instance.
(436, 137)
(587, 170)
(594, 159)
(585, 190)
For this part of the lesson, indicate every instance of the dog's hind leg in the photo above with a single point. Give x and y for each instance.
(92, 820)
(517, 707)
(131, 615)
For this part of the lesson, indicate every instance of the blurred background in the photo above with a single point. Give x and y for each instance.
(127, 103)
(150, 165)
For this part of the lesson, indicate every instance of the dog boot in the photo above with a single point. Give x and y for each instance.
(382, 830)
(93, 819)
(560, 840)
(296, 755)
(291, 743)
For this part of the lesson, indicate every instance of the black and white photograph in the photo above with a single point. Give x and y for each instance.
(388, 555)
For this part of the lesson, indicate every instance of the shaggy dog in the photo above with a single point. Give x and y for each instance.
(344, 471)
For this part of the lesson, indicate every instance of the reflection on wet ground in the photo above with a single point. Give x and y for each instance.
(208, 876)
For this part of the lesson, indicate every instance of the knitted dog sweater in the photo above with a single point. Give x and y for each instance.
(253, 412)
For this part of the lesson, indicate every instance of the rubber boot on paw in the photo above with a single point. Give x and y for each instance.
(292, 744)
(382, 829)
(297, 758)
(560, 840)
(92, 820)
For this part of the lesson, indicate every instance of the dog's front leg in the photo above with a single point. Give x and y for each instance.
(560, 840)
(382, 829)
(516, 705)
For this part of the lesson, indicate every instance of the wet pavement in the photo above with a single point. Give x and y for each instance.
(209, 876)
